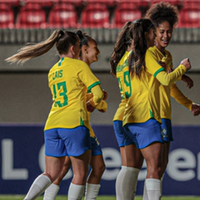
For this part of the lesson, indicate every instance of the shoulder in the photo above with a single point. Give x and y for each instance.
(78, 62)
(79, 65)
(123, 59)
(154, 48)
(53, 68)
(150, 51)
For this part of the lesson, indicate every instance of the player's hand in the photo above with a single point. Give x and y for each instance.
(89, 96)
(186, 63)
(188, 81)
(196, 109)
(170, 70)
(90, 108)
(105, 95)
(163, 65)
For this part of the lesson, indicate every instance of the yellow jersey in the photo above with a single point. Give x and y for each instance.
(69, 80)
(122, 74)
(144, 102)
(165, 99)
(167, 91)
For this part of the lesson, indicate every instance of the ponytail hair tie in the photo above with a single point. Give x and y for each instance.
(60, 35)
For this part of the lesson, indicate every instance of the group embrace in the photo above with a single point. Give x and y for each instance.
(142, 122)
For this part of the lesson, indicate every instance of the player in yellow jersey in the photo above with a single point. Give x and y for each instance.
(142, 119)
(126, 181)
(67, 127)
(89, 54)
(165, 17)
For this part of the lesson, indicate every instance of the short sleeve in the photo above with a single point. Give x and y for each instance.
(87, 77)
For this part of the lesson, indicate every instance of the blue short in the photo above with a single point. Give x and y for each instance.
(67, 141)
(143, 134)
(95, 146)
(120, 134)
(167, 130)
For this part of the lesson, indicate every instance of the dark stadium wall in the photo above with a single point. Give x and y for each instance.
(25, 97)
(44, 62)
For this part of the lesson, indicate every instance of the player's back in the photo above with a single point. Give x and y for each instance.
(68, 94)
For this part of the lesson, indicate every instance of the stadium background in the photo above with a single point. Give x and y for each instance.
(25, 99)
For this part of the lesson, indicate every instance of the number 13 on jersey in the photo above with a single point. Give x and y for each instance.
(60, 92)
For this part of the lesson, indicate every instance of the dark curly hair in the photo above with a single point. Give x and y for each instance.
(161, 12)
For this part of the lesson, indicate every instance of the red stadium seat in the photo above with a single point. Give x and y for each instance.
(74, 2)
(6, 16)
(31, 16)
(63, 15)
(137, 3)
(106, 2)
(41, 2)
(10, 2)
(189, 15)
(95, 15)
(173, 2)
(126, 12)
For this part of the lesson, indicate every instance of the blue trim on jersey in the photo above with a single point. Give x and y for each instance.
(60, 62)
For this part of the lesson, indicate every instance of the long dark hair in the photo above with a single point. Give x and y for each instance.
(137, 34)
(84, 38)
(62, 39)
(123, 41)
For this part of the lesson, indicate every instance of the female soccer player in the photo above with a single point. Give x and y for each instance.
(127, 177)
(165, 17)
(89, 54)
(66, 130)
(142, 112)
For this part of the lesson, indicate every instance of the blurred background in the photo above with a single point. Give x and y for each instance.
(25, 99)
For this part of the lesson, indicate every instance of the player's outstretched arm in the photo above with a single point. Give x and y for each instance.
(180, 97)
